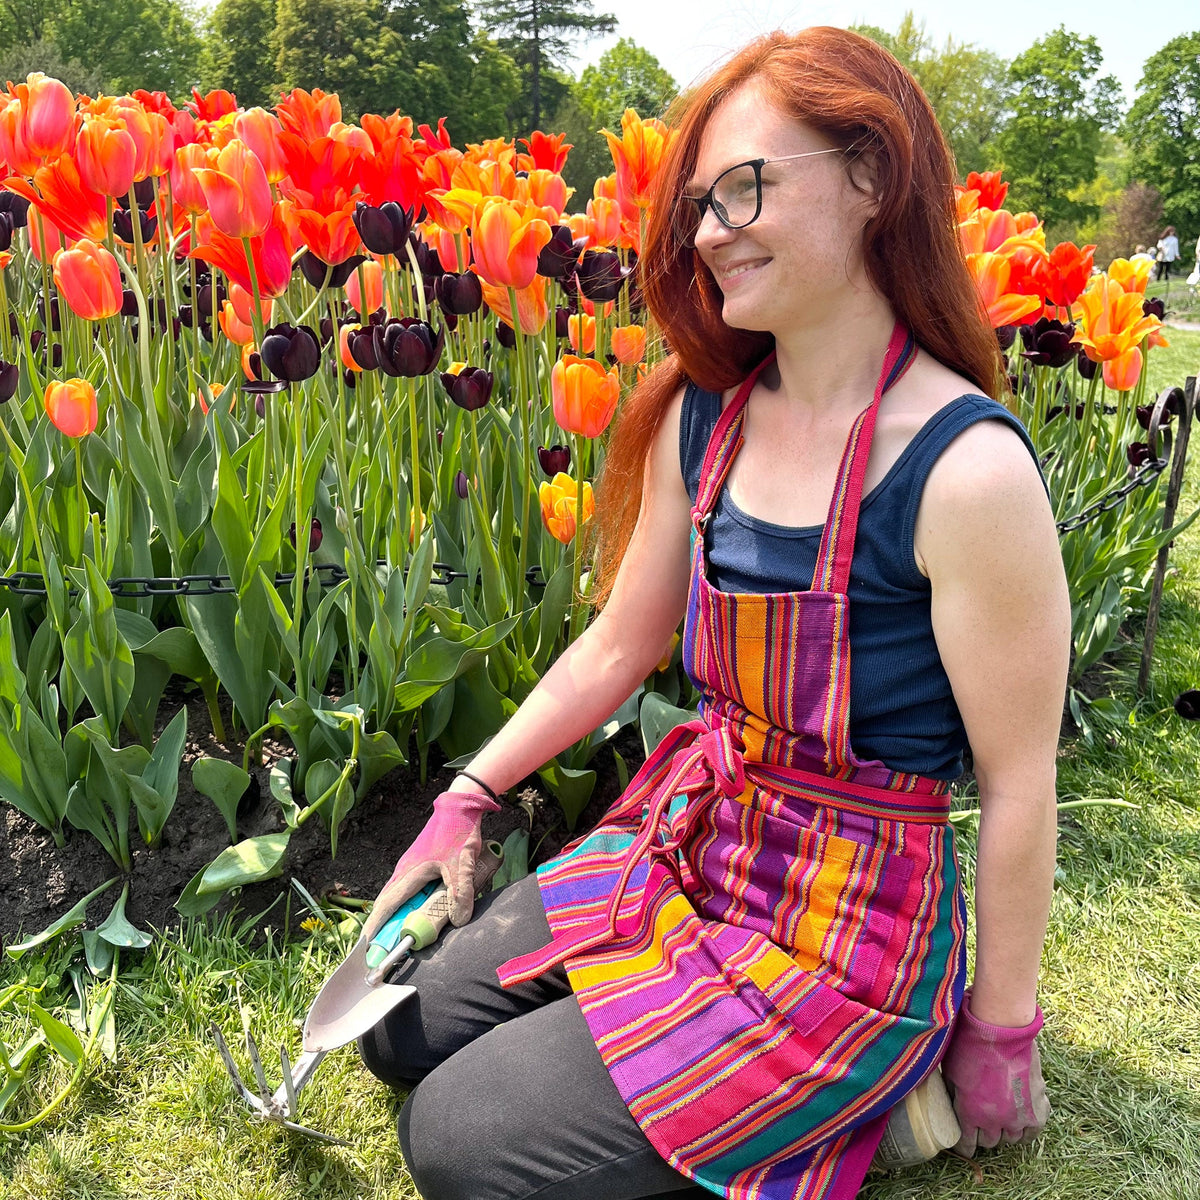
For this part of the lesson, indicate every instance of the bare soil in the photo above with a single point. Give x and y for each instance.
(42, 881)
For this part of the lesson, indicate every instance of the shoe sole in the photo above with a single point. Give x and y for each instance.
(919, 1128)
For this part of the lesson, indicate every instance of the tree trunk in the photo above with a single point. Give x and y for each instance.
(536, 65)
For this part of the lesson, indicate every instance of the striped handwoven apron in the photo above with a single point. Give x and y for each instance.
(765, 934)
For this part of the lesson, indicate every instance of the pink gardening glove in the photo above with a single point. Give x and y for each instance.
(445, 849)
(995, 1076)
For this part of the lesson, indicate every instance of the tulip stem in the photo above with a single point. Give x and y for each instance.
(577, 605)
(5, 332)
(418, 519)
(524, 397)
(478, 456)
(303, 532)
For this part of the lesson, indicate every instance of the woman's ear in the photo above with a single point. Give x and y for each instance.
(864, 170)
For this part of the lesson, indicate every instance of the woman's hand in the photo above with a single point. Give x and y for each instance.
(995, 1076)
(445, 849)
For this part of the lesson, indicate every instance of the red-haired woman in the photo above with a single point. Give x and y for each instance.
(744, 977)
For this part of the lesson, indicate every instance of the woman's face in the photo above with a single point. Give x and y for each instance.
(786, 269)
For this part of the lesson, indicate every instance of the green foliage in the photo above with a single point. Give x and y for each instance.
(233, 57)
(1163, 127)
(967, 87)
(1060, 107)
(538, 35)
(17, 61)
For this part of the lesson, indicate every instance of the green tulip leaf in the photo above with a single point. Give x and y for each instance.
(69, 920)
(250, 861)
(224, 783)
(117, 931)
(62, 1038)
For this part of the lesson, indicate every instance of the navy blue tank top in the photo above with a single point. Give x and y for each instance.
(902, 710)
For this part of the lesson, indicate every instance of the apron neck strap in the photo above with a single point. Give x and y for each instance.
(832, 572)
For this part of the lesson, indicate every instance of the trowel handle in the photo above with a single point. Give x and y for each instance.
(425, 923)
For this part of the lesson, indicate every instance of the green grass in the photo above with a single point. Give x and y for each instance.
(1120, 988)
(1183, 302)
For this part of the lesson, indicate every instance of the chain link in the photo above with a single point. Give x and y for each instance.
(1144, 477)
(136, 587)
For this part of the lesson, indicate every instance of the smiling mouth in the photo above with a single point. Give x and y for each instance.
(734, 273)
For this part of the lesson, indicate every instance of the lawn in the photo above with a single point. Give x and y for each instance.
(1121, 992)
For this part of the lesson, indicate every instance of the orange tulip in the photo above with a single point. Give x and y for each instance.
(348, 359)
(237, 191)
(605, 222)
(239, 332)
(1111, 323)
(59, 193)
(637, 154)
(548, 190)
(154, 138)
(507, 242)
(581, 333)
(272, 253)
(185, 187)
(309, 115)
(372, 273)
(331, 236)
(71, 406)
(1129, 276)
(215, 389)
(547, 151)
(1121, 373)
(260, 131)
(45, 238)
(558, 498)
(214, 105)
(629, 344)
(89, 279)
(1064, 273)
(991, 188)
(992, 274)
(532, 309)
(47, 116)
(106, 156)
(584, 395)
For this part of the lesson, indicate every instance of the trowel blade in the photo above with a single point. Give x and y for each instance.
(347, 1006)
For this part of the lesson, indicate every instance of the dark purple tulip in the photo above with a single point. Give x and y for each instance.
(9, 375)
(56, 355)
(1154, 308)
(461, 486)
(7, 226)
(460, 295)
(1086, 367)
(254, 362)
(601, 276)
(350, 378)
(427, 257)
(439, 434)
(361, 344)
(14, 327)
(560, 255)
(1187, 705)
(407, 346)
(206, 297)
(1005, 335)
(562, 317)
(315, 535)
(55, 322)
(1146, 411)
(144, 191)
(505, 335)
(17, 207)
(123, 224)
(313, 269)
(385, 229)
(1048, 343)
(291, 352)
(554, 459)
(129, 306)
(1138, 454)
(471, 388)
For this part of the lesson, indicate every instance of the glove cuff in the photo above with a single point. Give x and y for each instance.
(467, 802)
(1008, 1036)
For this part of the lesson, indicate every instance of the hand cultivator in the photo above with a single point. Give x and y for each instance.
(352, 1000)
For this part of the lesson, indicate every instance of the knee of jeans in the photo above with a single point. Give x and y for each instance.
(382, 1058)
(432, 1146)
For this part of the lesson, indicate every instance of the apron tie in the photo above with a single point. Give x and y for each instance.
(713, 757)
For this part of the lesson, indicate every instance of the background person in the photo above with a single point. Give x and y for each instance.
(1168, 252)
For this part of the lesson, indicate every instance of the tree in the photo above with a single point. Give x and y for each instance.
(1163, 128)
(233, 58)
(967, 87)
(1059, 110)
(1137, 218)
(538, 33)
(17, 61)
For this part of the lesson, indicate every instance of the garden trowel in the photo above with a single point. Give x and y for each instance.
(354, 999)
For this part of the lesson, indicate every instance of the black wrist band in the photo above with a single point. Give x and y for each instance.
(476, 779)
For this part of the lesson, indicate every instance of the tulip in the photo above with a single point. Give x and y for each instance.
(216, 390)
(186, 191)
(59, 194)
(601, 276)
(385, 229)
(239, 332)
(407, 346)
(560, 255)
(10, 374)
(1138, 454)
(1154, 308)
(89, 279)
(547, 150)
(1086, 367)
(1064, 273)
(309, 115)
(629, 344)
(554, 459)
(558, 499)
(428, 262)
(1112, 323)
(272, 255)
(1121, 373)
(106, 156)
(1048, 343)
(507, 241)
(1129, 276)
(581, 333)
(458, 294)
(372, 273)
(991, 188)
(315, 535)
(237, 191)
(260, 131)
(506, 335)
(532, 309)
(470, 388)
(47, 116)
(123, 225)
(637, 154)
(584, 395)
(16, 209)
(461, 485)
(992, 274)
(71, 406)
(1005, 335)
(291, 352)
(360, 346)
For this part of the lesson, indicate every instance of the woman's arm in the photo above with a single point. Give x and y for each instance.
(600, 670)
(1002, 620)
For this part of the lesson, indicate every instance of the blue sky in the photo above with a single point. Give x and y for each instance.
(689, 36)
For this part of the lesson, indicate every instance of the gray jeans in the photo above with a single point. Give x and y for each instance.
(510, 1098)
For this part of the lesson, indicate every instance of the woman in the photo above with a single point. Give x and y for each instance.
(759, 951)
(1168, 252)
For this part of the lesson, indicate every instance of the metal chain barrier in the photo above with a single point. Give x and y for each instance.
(1144, 477)
(133, 587)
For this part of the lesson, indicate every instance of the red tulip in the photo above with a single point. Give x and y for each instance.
(991, 188)
(1063, 274)
(71, 406)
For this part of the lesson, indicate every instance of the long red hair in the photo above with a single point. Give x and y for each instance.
(855, 93)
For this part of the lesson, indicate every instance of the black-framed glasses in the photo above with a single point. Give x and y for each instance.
(735, 196)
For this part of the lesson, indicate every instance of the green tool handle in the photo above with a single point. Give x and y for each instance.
(425, 924)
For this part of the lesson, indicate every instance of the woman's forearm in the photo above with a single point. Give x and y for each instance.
(586, 684)
(1013, 886)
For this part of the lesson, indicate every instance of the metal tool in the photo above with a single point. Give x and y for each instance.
(353, 1000)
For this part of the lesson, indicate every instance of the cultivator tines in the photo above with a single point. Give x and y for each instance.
(279, 1105)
